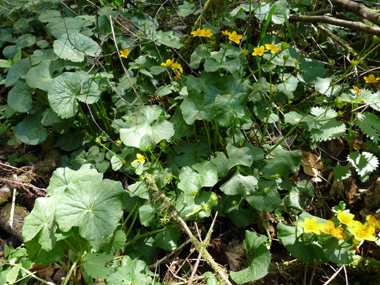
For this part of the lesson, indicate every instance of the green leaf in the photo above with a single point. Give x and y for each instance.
(210, 278)
(64, 91)
(239, 184)
(147, 214)
(139, 189)
(51, 118)
(310, 70)
(50, 16)
(130, 272)
(41, 256)
(148, 128)
(294, 243)
(282, 162)
(20, 97)
(369, 124)
(13, 274)
(25, 41)
(64, 177)
(74, 49)
(167, 240)
(17, 71)
(228, 108)
(259, 259)
(299, 195)
(192, 179)
(364, 162)
(328, 130)
(231, 206)
(30, 130)
(186, 9)
(341, 173)
(41, 221)
(40, 76)
(95, 207)
(289, 85)
(168, 38)
(338, 251)
(266, 198)
(212, 65)
(326, 87)
(70, 140)
(117, 241)
(94, 264)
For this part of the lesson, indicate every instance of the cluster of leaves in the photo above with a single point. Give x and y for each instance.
(202, 136)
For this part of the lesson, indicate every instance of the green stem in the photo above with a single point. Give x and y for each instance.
(130, 214)
(220, 137)
(195, 132)
(86, 119)
(133, 222)
(269, 110)
(208, 138)
(67, 279)
(144, 235)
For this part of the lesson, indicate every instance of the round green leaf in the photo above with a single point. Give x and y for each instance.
(94, 207)
(64, 91)
(73, 49)
(17, 71)
(30, 130)
(20, 97)
(39, 76)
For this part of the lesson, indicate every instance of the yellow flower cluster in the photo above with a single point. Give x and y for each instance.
(268, 47)
(233, 37)
(176, 67)
(359, 231)
(206, 33)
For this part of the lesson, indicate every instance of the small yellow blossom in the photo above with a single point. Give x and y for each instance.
(356, 89)
(197, 33)
(226, 33)
(235, 37)
(206, 33)
(140, 158)
(177, 67)
(373, 222)
(124, 53)
(259, 51)
(272, 48)
(245, 52)
(362, 232)
(178, 76)
(169, 62)
(296, 62)
(310, 226)
(371, 79)
(85, 132)
(347, 219)
(330, 229)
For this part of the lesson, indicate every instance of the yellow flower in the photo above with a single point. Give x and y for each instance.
(169, 62)
(259, 51)
(124, 53)
(296, 62)
(140, 158)
(206, 33)
(226, 33)
(85, 132)
(235, 37)
(197, 33)
(373, 221)
(356, 89)
(363, 232)
(330, 229)
(310, 226)
(371, 79)
(272, 48)
(177, 67)
(178, 76)
(347, 219)
(245, 52)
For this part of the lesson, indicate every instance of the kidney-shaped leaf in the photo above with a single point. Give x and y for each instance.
(30, 130)
(73, 49)
(239, 184)
(64, 91)
(259, 262)
(20, 97)
(147, 129)
(94, 207)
